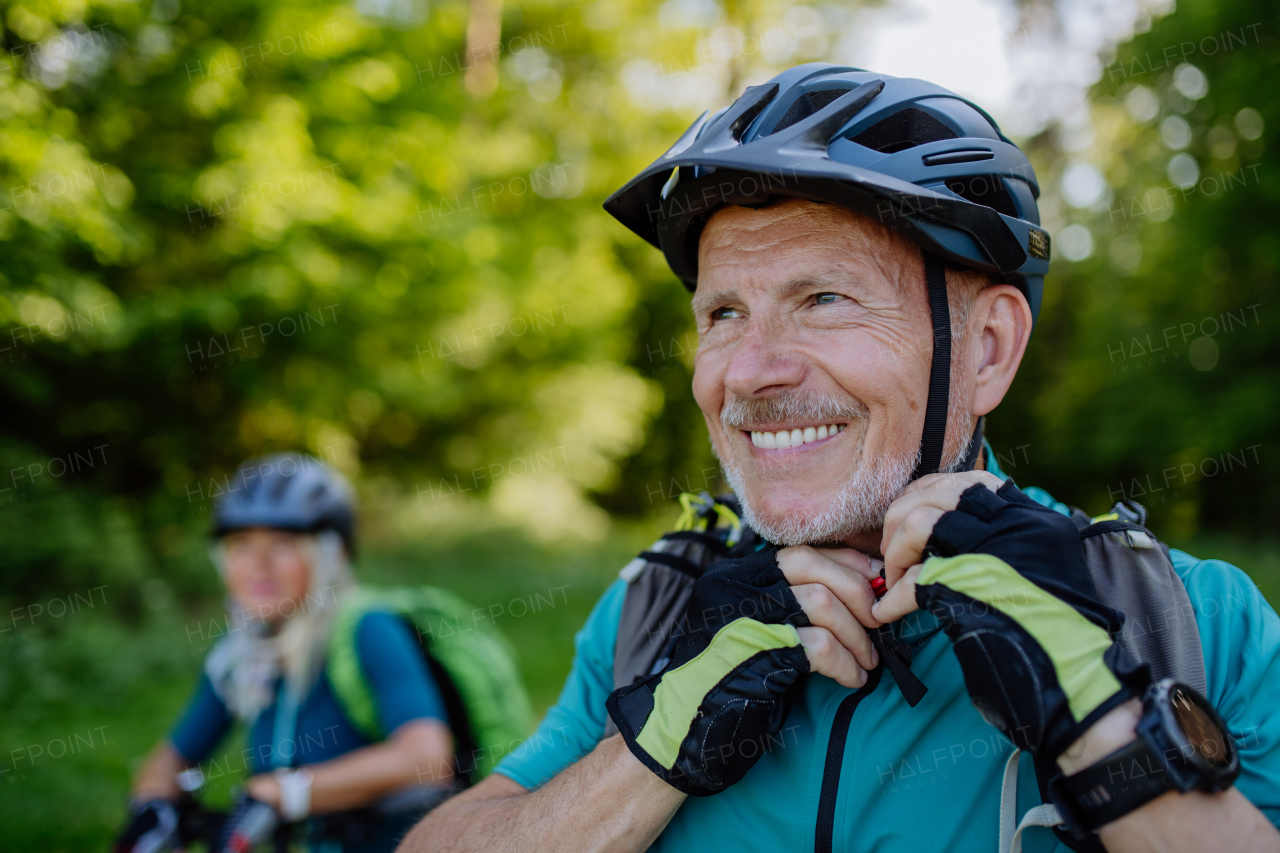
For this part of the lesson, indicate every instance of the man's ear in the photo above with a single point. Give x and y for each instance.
(999, 328)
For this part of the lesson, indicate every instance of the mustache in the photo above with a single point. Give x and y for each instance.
(791, 406)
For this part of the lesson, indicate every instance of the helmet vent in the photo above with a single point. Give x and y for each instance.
(902, 130)
(316, 495)
(742, 122)
(806, 105)
(280, 486)
(986, 190)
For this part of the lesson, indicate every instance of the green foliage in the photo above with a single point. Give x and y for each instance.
(254, 226)
(1109, 405)
(235, 227)
(243, 227)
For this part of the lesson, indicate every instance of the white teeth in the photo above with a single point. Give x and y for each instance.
(794, 437)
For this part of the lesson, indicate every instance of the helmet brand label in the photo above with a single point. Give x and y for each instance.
(1038, 244)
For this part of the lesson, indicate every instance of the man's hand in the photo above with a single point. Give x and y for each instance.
(832, 586)
(703, 721)
(907, 527)
(1008, 581)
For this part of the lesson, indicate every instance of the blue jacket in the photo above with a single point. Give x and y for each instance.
(914, 779)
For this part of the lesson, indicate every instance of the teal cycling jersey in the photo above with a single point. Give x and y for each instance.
(911, 779)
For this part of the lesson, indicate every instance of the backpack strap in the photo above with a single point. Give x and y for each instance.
(346, 676)
(1010, 827)
(1134, 574)
(343, 664)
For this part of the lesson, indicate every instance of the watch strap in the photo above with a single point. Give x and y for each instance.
(1117, 784)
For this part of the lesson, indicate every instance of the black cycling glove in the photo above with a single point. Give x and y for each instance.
(1011, 587)
(153, 828)
(703, 721)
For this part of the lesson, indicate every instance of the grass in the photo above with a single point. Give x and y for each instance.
(120, 688)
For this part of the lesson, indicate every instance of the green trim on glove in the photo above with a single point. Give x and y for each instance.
(730, 677)
(682, 690)
(1073, 643)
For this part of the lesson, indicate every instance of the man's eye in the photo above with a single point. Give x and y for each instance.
(725, 313)
(827, 298)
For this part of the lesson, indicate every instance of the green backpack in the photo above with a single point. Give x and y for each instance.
(473, 664)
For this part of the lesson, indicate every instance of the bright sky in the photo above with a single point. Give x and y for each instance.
(1025, 75)
(959, 44)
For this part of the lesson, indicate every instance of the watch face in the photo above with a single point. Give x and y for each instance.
(1200, 728)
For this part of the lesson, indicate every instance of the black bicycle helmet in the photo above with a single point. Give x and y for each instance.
(287, 491)
(909, 154)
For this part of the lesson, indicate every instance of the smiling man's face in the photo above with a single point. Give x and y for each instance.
(813, 367)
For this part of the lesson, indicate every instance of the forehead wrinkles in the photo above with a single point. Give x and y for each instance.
(740, 240)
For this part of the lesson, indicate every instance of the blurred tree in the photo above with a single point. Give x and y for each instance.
(1154, 370)
(249, 226)
(372, 231)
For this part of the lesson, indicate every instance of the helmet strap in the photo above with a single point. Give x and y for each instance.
(935, 413)
(975, 445)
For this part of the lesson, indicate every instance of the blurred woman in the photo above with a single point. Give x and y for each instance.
(283, 540)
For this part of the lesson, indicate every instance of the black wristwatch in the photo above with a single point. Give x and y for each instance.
(1182, 745)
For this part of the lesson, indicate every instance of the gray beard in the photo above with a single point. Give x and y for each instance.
(859, 506)
(864, 497)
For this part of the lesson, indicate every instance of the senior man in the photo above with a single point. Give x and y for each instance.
(867, 263)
